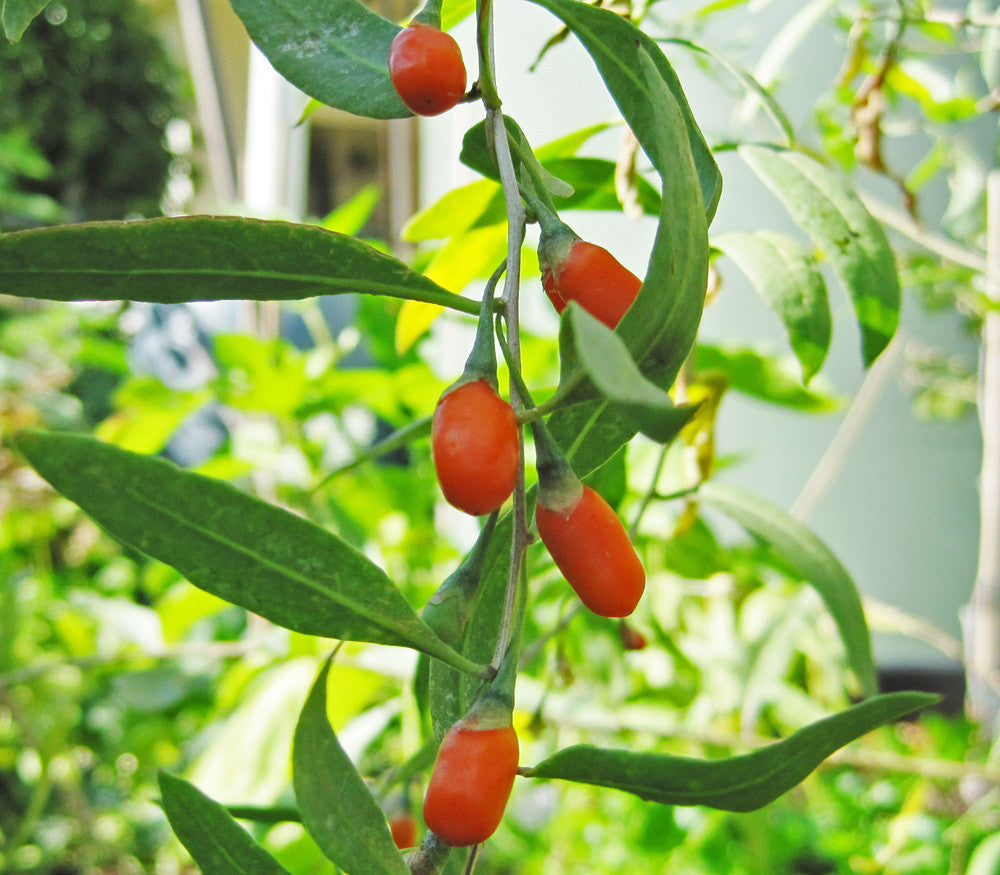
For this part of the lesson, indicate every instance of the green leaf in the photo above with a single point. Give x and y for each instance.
(18, 14)
(216, 842)
(809, 556)
(337, 808)
(771, 379)
(203, 258)
(844, 231)
(785, 275)
(660, 326)
(233, 545)
(985, 859)
(741, 783)
(604, 358)
(334, 50)
(617, 47)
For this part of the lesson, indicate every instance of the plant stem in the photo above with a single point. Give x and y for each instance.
(981, 617)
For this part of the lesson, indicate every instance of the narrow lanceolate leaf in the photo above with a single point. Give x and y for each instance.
(785, 275)
(604, 358)
(203, 258)
(337, 808)
(233, 545)
(844, 231)
(215, 841)
(617, 47)
(811, 558)
(336, 51)
(660, 326)
(18, 14)
(741, 783)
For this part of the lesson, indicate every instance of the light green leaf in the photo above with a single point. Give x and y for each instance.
(204, 258)
(18, 14)
(233, 545)
(604, 358)
(844, 231)
(785, 275)
(337, 808)
(767, 377)
(809, 556)
(334, 50)
(741, 783)
(216, 842)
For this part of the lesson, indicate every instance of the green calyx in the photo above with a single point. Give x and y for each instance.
(555, 244)
(447, 611)
(482, 361)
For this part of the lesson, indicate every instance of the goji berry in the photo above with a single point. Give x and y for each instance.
(632, 638)
(426, 69)
(475, 444)
(592, 550)
(404, 830)
(591, 276)
(471, 783)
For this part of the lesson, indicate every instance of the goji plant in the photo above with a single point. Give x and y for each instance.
(622, 346)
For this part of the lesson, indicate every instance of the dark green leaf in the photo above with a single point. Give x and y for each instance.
(334, 50)
(809, 556)
(18, 14)
(844, 231)
(216, 842)
(603, 357)
(337, 808)
(233, 545)
(785, 275)
(617, 47)
(742, 783)
(765, 377)
(203, 258)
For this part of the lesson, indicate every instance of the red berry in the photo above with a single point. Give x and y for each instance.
(471, 783)
(474, 440)
(632, 638)
(426, 69)
(594, 278)
(592, 549)
(404, 830)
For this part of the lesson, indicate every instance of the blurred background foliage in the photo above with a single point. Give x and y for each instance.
(112, 667)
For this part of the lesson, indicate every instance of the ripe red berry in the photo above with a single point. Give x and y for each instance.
(426, 69)
(632, 638)
(471, 783)
(591, 276)
(474, 440)
(591, 547)
(404, 830)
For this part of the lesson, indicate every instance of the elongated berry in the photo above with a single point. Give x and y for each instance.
(590, 275)
(471, 783)
(475, 444)
(403, 828)
(426, 69)
(592, 550)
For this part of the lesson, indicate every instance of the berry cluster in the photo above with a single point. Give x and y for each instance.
(476, 447)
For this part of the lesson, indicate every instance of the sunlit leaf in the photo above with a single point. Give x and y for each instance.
(203, 258)
(828, 210)
(233, 545)
(334, 50)
(18, 14)
(802, 549)
(216, 842)
(742, 783)
(785, 275)
(336, 806)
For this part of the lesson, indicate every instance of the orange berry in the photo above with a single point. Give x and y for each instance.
(475, 444)
(594, 278)
(404, 830)
(426, 69)
(591, 548)
(471, 783)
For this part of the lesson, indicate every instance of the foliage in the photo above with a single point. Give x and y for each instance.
(300, 527)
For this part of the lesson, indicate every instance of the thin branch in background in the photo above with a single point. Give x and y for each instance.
(981, 616)
(858, 414)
